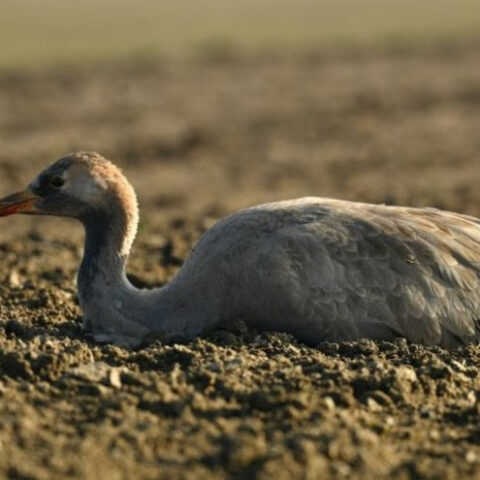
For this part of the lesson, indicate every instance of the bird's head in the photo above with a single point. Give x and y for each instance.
(78, 185)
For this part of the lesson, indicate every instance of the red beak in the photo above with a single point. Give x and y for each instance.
(20, 202)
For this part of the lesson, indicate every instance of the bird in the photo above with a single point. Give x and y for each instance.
(319, 269)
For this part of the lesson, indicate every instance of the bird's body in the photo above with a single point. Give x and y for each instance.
(318, 268)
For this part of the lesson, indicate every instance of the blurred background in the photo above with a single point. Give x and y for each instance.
(213, 105)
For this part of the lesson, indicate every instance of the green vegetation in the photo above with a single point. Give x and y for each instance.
(34, 32)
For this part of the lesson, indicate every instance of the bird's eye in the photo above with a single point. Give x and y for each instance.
(57, 182)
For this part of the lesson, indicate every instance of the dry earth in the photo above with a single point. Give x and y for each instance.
(199, 139)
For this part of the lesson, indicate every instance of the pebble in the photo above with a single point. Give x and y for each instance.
(471, 457)
(14, 279)
(471, 397)
(329, 403)
(373, 405)
(390, 421)
(114, 378)
(405, 373)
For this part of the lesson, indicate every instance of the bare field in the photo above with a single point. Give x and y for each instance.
(199, 139)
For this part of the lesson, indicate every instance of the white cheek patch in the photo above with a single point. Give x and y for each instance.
(88, 188)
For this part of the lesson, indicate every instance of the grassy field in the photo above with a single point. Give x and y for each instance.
(43, 32)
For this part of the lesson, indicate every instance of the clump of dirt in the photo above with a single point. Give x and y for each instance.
(199, 139)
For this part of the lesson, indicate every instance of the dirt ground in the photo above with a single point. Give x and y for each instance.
(199, 139)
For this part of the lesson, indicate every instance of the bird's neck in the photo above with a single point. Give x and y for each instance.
(127, 315)
(108, 301)
(110, 233)
(108, 239)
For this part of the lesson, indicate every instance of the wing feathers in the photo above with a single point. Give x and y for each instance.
(390, 271)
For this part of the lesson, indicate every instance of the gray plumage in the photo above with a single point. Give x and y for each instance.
(318, 268)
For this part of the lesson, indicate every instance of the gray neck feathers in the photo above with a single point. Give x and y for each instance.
(112, 305)
(110, 232)
(104, 257)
